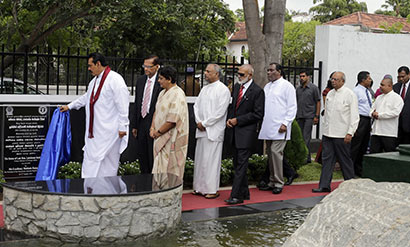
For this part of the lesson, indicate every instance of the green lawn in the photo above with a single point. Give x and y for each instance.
(311, 172)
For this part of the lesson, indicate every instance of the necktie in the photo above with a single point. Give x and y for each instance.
(239, 97)
(403, 91)
(368, 98)
(146, 99)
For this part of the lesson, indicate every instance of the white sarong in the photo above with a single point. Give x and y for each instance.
(207, 168)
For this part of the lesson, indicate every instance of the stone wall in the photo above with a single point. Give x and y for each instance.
(93, 219)
(361, 213)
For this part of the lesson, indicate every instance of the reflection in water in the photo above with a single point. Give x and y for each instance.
(104, 185)
(266, 229)
(59, 185)
(131, 184)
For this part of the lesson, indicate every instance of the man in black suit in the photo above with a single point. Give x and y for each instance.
(244, 114)
(147, 90)
(401, 88)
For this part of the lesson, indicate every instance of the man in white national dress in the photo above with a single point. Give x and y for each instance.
(211, 109)
(106, 107)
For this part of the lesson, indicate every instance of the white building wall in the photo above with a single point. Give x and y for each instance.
(347, 49)
(235, 49)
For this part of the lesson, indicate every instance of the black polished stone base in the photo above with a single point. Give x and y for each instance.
(214, 213)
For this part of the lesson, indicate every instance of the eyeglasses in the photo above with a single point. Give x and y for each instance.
(334, 79)
(147, 66)
(240, 74)
(270, 70)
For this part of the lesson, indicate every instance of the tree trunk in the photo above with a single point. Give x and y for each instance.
(265, 46)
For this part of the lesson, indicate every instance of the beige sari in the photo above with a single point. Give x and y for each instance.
(170, 149)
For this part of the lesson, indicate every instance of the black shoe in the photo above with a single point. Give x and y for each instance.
(291, 178)
(321, 190)
(261, 184)
(247, 197)
(233, 201)
(266, 188)
(277, 190)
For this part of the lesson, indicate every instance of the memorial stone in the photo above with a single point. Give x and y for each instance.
(360, 212)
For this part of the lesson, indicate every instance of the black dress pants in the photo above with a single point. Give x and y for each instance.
(240, 189)
(145, 145)
(335, 148)
(360, 142)
(379, 144)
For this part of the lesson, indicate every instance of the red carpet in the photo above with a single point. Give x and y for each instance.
(191, 202)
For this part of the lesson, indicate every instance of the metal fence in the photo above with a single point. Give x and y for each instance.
(43, 71)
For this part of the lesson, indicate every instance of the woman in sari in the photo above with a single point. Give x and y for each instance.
(170, 126)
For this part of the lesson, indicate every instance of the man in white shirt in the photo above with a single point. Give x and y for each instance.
(385, 112)
(210, 111)
(280, 111)
(106, 107)
(361, 138)
(340, 123)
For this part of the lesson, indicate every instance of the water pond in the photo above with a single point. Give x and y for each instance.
(263, 229)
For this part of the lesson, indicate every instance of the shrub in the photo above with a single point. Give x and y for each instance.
(257, 166)
(70, 170)
(129, 168)
(227, 172)
(189, 172)
(2, 180)
(296, 150)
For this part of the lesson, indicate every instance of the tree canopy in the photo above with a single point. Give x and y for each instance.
(400, 8)
(169, 28)
(328, 10)
(299, 41)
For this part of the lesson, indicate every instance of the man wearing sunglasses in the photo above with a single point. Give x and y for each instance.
(245, 112)
(147, 90)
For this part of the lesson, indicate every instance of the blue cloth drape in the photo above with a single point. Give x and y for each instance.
(57, 146)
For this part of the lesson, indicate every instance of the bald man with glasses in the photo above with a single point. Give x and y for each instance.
(340, 123)
(244, 114)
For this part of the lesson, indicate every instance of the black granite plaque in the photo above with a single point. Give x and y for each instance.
(102, 186)
(23, 135)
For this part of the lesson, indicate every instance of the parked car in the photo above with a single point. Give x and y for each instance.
(6, 87)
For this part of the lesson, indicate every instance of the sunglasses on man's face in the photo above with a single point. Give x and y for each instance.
(241, 74)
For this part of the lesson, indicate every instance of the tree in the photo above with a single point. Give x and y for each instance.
(239, 15)
(174, 29)
(299, 41)
(401, 8)
(328, 10)
(265, 42)
(26, 23)
(169, 28)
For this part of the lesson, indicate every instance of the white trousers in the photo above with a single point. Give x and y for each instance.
(207, 167)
